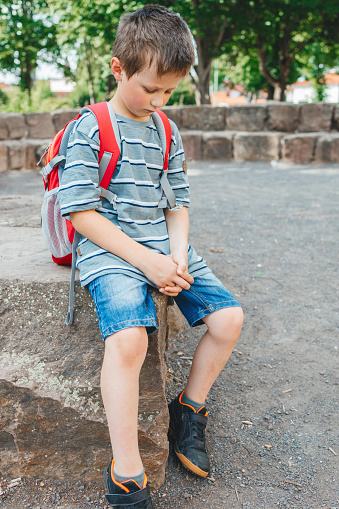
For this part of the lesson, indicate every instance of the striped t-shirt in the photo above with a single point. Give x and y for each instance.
(136, 184)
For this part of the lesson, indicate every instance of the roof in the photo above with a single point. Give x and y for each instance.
(331, 78)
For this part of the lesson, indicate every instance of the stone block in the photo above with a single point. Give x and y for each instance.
(3, 128)
(34, 150)
(315, 117)
(3, 157)
(52, 421)
(175, 320)
(192, 142)
(335, 123)
(207, 118)
(282, 116)
(12, 126)
(16, 155)
(61, 117)
(256, 147)
(251, 117)
(51, 408)
(40, 125)
(327, 148)
(298, 148)
(174, 113)
(217, 145)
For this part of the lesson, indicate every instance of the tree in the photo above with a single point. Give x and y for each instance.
(27, 33)
(318, 59)
(281, 30)
(90, 27)
(213, 24)
(243, 69)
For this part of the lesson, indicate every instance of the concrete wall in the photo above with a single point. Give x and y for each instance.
(270, 131)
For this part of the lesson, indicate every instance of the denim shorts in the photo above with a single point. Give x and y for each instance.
(122, 302)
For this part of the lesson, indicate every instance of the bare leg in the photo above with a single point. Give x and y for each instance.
(125, 353)
(213, 351)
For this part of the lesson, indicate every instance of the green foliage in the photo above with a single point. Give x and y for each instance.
(243, 70)
(183, 94)
(90, 27)
(259, 43)
(40, 100)
(27, 34)
(80, 96)
(317, 59)
(3, 98)
(281, 30)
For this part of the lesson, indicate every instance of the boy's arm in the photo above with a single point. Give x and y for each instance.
(158, 268)
(177, 226)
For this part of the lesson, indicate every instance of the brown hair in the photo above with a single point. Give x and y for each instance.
(154, 35)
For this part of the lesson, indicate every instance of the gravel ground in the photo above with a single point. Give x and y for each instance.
(271, 235)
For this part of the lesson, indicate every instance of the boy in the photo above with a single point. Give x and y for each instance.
(133, 243)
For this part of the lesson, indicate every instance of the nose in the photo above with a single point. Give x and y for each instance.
(157, 101)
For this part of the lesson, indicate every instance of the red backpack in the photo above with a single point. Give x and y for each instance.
(59, 234)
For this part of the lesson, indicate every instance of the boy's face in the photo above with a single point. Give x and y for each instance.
(142, 94)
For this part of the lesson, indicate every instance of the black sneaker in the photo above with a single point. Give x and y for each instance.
(128, 494)
(188, 429)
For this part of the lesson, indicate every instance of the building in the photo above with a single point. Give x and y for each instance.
(303, 91)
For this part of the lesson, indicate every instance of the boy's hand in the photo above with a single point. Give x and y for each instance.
(182, 270)
(181, 262)
(163, 272)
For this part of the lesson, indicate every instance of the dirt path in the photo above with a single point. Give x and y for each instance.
(271, 235)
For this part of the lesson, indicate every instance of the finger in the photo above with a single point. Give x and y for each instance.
(169, 293)
(180, 281)
(182, 272)
(187, 277)
(173, 289)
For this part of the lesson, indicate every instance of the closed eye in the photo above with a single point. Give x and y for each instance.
(168, 92)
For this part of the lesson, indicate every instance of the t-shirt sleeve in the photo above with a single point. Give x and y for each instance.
(176, 174)
(79, 181)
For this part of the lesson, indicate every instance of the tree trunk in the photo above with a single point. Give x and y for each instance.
(270, 93)
(278, 85)
(203, 70)
(26, 74)
(277, 92)
(90, 76)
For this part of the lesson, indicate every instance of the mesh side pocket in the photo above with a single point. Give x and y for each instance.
(54, 226)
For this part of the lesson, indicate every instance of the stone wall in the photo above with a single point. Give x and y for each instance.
(264, 132)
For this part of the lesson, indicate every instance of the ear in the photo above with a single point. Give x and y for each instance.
(116, 68)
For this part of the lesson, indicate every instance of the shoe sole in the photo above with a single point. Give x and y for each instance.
(186, 462)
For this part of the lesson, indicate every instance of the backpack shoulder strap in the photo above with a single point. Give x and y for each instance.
(166, 126)
(109, 151)
(163, 126)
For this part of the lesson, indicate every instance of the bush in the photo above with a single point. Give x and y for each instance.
(183, 94)
(41, 99)
(3, 98)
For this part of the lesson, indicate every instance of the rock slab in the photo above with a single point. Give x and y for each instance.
(52, 421)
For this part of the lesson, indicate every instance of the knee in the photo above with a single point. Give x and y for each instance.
(127, 347)
(236, 319)
(225, 326)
